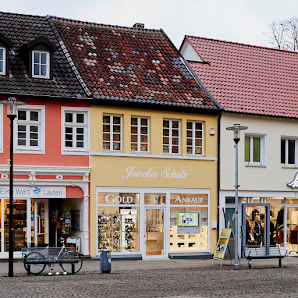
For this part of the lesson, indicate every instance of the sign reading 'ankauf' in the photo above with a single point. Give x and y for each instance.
(167, 173)
(20, 192)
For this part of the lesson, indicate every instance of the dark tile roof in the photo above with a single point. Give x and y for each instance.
(23, 29)
(130, 65)
(248, 79)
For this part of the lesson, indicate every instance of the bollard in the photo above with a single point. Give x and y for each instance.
(105, 261)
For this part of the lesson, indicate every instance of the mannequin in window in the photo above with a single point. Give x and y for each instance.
(280, 217)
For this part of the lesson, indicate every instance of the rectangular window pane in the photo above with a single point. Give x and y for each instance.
(1, 66)
(36, 70)
(256, 149)
(1, 54)
(21, 115)
(247, 149)
(33, 116)
(68, 117)
(43, 69)
(43, 58)
(80, 118)
(36, 58)
(291, 152)
(283, 151)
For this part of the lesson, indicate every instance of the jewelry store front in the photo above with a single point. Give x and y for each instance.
(148, 222)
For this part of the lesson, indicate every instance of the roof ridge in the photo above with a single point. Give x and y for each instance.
(102, 25)
(239, 43)
(22, 14)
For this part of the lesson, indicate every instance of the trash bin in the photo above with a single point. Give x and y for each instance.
(105, 261)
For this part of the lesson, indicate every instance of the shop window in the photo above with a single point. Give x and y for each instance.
(171, 136)
(20, 224)
(118, 222)
(112, 133)
(289, 152)
(255, 150)
(118, 229)
(292, 230)
(188, 222)
(40, 64)
(139, 134)
(189, 228)
(30, 129)
(194, 137)
(2, 61)
(75, 130)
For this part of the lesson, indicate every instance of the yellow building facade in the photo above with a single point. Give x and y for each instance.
(153, 185)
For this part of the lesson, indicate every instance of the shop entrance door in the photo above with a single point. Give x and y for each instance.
(256, 224)
(154, 232)
(41, 222)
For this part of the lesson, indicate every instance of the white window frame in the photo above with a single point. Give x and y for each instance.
(41, 133)
(112, 132)
(170, 136)
(75, 150)
(262, 162)
(4, 61)
(193, 130)
(286, 164)
(47, 76)
(139, 119)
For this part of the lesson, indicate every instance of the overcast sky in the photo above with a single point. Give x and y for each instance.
(243, 21)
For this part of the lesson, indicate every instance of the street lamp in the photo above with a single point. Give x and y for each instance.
(11, 114)
(236, 128)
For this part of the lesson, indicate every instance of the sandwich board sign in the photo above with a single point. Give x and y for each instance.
(222, 244)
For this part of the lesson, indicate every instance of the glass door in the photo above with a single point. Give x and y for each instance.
(41, 224)
(256, 224)
(154, 232)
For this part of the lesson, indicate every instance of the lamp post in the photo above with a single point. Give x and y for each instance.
(11, 114)
(236, 128)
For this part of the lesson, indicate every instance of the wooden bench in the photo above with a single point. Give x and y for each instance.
(263, 252)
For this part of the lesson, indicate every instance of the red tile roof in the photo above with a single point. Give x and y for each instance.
(248, 79)
(130, 64)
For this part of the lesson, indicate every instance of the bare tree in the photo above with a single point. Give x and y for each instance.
(284, 35)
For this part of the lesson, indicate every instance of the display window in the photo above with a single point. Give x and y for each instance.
(118, 229)
(20, 224)
(152, 223)
(188, 228)
(292, 230)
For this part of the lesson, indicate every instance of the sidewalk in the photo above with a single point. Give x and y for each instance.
(93, 266)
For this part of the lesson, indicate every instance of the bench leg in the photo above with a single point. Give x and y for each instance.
(28, 269)
(279, 263)
(73, 268)
(249, 263)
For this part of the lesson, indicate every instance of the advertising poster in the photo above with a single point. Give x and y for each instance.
(222, 244)
(188, 219)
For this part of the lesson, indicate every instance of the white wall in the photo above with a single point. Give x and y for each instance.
(272, 177)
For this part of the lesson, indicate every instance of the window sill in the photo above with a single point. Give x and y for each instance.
(74, 152)
(134, 155)
(255, 165)
(19, 150)
(284, 166)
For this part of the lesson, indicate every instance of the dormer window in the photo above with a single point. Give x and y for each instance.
(2, 61)
(5, 44)
(40, 64)
(38, 58)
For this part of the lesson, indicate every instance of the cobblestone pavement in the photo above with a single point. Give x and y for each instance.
(160, 278)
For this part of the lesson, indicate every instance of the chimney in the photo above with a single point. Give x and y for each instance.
(139, 25)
